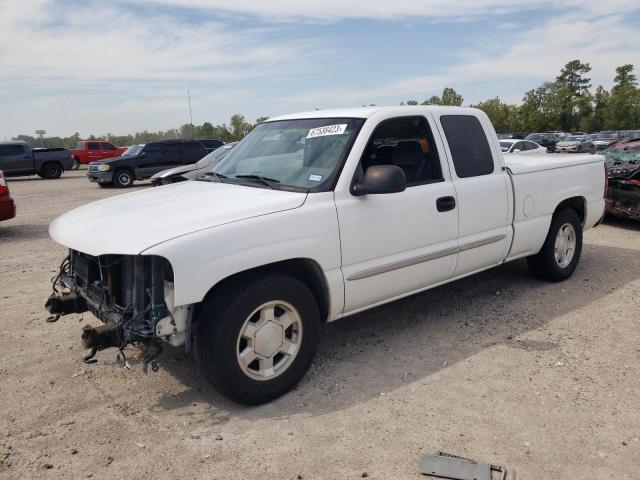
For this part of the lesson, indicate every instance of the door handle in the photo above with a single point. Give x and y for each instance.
(444, 204)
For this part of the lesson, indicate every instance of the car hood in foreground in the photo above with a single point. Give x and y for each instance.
(128, 224)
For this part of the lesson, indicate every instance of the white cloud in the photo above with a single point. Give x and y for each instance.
(118, 66)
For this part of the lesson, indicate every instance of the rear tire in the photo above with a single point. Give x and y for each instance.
(51, 171)
(257, 337)
(560, 253)
(123, 178)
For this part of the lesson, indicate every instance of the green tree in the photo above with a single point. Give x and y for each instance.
(434, 100)
(451, 97)
(573, 86)
(623, 107)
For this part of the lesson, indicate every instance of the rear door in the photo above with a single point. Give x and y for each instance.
(93, 151)
(481, 187)
(108, 150)
(192, 152)
(15, 160)
(398, 243)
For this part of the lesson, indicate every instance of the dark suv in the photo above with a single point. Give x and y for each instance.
(547, 140)
(143, 161)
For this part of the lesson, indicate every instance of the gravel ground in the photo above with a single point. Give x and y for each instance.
(540, 377)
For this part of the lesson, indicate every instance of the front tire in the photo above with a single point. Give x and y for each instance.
(123, 178)
(257, 337)
(560, 253)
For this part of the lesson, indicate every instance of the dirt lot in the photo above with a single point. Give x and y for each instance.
(543, 378)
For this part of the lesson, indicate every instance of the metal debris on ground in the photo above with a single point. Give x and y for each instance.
(447, 465)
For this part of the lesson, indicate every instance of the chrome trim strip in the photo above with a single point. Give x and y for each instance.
(402, 264)
(389, 267)
(481, 243)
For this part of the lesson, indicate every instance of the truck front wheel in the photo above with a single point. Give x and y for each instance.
(257, 337)
(123, 178)
(561, 250)
(51, 171)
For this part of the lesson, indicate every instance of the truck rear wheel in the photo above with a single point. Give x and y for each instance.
(257, 337)
(123, 178)
(51, 170)
(561, 251)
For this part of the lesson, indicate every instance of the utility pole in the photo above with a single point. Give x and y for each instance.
(193, 130)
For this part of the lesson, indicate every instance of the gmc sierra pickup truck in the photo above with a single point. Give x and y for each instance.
(17, 158)
(311, 218)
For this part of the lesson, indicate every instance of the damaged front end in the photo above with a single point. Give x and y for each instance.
(623, 184)
(131, 294)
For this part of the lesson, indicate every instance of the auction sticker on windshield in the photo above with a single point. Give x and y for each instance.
(328, 130)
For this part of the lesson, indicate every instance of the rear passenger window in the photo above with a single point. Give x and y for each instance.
(108, 146)
(407, 143)
(6, 150)
(468, 143)
(192, 152)
(94, 146)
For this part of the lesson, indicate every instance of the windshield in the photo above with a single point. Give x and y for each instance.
(303, 154)
(533, 137)
(607, 135)
(80, 146)
(214, 157)
(133, 150)
(505, 146)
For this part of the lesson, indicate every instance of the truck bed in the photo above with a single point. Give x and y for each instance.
(536, 194)
(521, 163)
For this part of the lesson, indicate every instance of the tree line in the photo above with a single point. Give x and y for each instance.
(565, 104)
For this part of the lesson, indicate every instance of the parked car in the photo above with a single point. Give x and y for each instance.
(7, 205)
(144, 160)
(575, 143)
(623, 192)
(193, 171)
(605, 139)
(313, 217)
(547, 140)
(521, 146)
(88, 151)
(209, 144)
(17, 158)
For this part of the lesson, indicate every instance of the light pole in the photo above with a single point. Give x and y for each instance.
(41, 133)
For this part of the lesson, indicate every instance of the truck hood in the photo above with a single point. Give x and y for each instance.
(130, 223)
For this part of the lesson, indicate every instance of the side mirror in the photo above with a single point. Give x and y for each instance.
(517, 150)
(381, 179)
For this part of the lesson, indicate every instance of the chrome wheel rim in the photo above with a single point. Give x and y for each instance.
(269, 340)
(124, 179)
(565, 246)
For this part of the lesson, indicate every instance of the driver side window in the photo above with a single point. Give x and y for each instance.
(406, 142)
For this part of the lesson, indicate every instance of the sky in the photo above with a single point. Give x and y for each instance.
(98, 67)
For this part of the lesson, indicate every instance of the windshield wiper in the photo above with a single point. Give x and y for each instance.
(264, 180)
(217, 176)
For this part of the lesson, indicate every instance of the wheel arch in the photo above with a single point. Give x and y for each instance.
(578, 204)
(306, 270)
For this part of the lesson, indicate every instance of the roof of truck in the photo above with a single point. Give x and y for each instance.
(366, 112)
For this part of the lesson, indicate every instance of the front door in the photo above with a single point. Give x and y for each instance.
(399, 243)
(93, 151)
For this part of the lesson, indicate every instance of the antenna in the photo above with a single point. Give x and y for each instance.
(193, 130)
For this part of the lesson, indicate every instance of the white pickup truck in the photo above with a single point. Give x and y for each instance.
(311, 218)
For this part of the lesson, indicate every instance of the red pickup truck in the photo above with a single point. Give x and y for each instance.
(91, 150)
